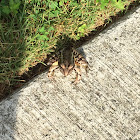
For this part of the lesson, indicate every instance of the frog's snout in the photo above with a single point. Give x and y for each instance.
(66, 72)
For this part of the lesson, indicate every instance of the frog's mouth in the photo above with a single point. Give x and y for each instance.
(66, 70)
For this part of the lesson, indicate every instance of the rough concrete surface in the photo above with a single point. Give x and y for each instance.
(105, 105)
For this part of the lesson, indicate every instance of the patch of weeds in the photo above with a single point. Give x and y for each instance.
(32, 29)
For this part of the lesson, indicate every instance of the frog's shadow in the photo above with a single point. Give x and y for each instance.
(65, 41)
(81, 51)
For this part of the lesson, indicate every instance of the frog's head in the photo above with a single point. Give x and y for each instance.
(66, 68)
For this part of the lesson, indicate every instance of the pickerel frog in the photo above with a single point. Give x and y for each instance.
(68, 60)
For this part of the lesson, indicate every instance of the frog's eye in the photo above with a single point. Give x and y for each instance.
(63, 66)
(70, 67)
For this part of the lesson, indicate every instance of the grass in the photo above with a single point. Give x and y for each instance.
(31, 32)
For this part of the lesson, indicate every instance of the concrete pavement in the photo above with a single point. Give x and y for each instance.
(105, 105)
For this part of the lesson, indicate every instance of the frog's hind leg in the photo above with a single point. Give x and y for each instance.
(52, 69)
(80, 60)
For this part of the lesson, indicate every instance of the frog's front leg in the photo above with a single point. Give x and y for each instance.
(52, 68)
(78, 73)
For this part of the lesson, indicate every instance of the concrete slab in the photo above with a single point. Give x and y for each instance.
(105, 105)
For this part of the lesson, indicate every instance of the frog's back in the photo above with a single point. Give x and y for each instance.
(66, 56)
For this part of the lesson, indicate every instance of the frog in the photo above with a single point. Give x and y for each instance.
(67, 60)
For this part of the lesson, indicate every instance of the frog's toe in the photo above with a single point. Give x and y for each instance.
(75, 82)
